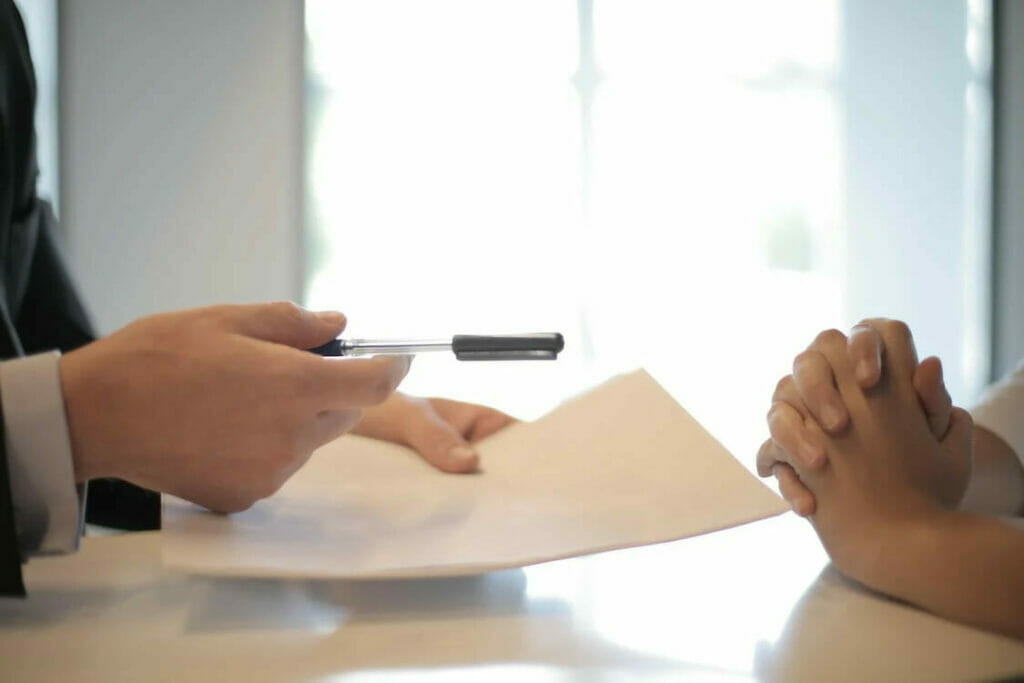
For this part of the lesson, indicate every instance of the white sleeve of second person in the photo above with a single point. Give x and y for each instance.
(48, 507)
(1001, 410)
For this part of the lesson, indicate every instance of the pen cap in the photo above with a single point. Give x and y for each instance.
(512, 347)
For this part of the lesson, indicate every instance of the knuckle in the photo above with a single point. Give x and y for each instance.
(829, 339)
(900, 330)
(807, 363)
(207, 317)
(783, 385)
(288, 310)
(778, 425)
(816, 383)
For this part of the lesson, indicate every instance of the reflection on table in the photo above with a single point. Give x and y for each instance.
(753, 602)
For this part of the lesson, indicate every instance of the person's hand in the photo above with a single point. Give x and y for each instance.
(441, 430)
(217, 405)
(887, 471)
(811, 390)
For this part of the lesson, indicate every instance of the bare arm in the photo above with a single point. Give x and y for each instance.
(965, 567)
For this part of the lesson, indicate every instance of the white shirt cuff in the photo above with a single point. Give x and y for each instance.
(1001, 410)
(48, 507)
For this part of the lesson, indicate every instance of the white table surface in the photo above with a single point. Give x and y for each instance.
(755, 602)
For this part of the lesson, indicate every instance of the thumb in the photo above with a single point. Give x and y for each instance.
(284, 322)
(933, 396)
(440, 444)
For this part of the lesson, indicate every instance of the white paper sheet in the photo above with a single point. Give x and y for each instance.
(623, 465)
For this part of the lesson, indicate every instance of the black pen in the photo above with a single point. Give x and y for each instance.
(465, 346)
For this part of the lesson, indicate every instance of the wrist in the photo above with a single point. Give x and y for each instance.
(88, 461)
(906, 548)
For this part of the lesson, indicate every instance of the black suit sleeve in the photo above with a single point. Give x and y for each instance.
(16, 98)
(51, 316)
(10, 559)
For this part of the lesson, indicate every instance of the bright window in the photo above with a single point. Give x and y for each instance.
(694, 187)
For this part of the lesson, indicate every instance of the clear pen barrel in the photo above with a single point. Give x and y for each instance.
(394, 347)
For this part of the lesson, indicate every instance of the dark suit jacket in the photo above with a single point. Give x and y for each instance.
(39, 308)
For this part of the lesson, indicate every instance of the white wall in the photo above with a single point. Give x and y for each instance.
(181, 157)
(40, 17)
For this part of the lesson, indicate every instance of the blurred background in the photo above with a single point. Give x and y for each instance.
(692, 187)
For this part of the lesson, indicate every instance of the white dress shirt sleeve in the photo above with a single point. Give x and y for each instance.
(1001, 410)
(48, 507)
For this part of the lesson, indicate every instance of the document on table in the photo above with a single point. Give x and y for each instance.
(622, 465)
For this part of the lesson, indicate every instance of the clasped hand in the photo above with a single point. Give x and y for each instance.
(864, 439)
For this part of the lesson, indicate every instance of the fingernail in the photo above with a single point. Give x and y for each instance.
(462, 454)
(332, 318)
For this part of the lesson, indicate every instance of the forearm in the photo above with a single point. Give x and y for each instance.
(996, 486)
(964, 567)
